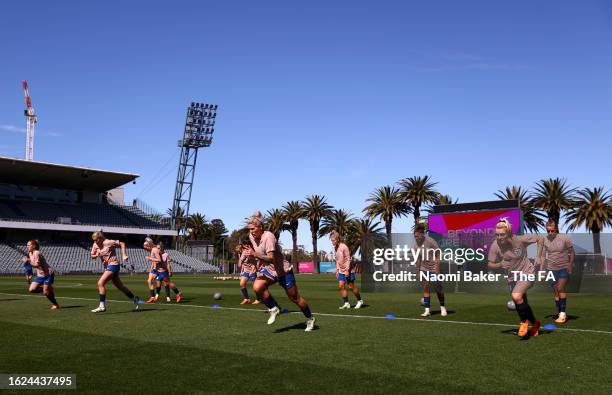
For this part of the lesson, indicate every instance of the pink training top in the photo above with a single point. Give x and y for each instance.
(513, 256)
(266, 244)
(343, 260)
(162, 263)
(106, 251)
(248, 263)
(157, 262)
(38, 261)
(558, 252)
(428, 254)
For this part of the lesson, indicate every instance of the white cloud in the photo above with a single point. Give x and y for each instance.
(12, 128)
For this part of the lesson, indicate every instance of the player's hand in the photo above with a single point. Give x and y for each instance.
(125, 257)
(25, 259)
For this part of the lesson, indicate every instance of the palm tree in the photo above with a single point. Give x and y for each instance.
(180, 217)
(532, 217)
(338, 220)
(440, 200)
(553, 195)
(197, 225)
(275, 222)
(386, 203)
(315, 208)
(593, 208)
(417, 191)
(293, 212)
(445, 199)
(364, 230)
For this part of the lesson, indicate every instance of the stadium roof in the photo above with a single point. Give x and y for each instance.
(22, 172)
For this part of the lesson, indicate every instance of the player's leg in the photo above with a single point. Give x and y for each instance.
(150, 284)
(523, 309)
(252, 279)
(49, 292)
(351, 284)
(36, 286)
(562, 295)
(119, 285)
(176, 291)
(440, 294)
(291, 289)
(244, 279)
(260, 286)
(426, 298)
(104, 278)
(343, 292)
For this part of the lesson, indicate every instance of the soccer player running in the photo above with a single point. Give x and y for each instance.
(427, 264)
(273, 268)
(155, 257)
(345, 271)
(164, 272)
(559, 253)
(104, 249)
(247, 266)
(509, 252)
(45, 275)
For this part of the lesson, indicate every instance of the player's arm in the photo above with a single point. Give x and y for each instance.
(94, 252)
(540, 259)
(26, 260)
(123, 251)
(170, 267)
(268, 257)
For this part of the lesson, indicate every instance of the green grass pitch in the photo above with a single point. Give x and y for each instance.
(193, 348)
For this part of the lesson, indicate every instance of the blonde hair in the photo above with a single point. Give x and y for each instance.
(256, 219)
(335, 235)
(97, 234)
(504, 223)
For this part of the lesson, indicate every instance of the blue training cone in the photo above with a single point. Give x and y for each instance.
(216, 306)
(551, 327)
(390, 316)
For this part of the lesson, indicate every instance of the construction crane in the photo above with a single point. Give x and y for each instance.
(30, 122)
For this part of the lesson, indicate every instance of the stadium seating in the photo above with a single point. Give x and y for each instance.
(74, 258)
(82, 214)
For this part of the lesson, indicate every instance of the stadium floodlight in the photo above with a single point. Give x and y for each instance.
(197, 134)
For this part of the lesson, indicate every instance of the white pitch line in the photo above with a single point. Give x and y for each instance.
(331, 315)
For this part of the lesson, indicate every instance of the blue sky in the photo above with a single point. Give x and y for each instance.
(334, 98)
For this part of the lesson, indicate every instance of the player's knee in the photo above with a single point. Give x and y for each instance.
(517, 298)
(46, 292)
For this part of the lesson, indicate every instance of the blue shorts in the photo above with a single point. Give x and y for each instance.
(113, 269)
(250, 277)
(269, 275)
(287, 281)
(558, 274)
(161, 276)
(27, 269)
(349, 280)
(154, 271)
(45, 280)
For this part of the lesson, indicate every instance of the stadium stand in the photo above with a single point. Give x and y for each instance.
(74, 258)
(77, 214)
(61, 205)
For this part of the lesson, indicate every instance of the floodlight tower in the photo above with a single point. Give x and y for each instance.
(30, 122)
(199, 128)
